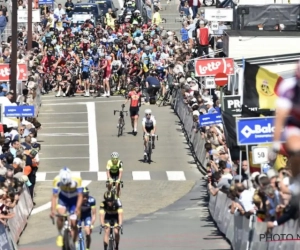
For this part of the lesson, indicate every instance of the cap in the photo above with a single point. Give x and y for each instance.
(196, 112)
(127, 17)
(253, 175)
(17, 161)
(271, 173)
(189, 79)
(2, 192)
(209, 102)
(33, 140)
(201, 22)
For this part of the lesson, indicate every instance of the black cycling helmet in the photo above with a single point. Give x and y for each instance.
(108, 196)
(86, 191)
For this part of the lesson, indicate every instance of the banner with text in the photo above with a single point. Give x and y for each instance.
(210, 119)
(232, 105)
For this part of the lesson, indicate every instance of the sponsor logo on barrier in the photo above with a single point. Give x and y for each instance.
(278, 237)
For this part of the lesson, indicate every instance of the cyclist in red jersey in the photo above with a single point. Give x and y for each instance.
(135, 101)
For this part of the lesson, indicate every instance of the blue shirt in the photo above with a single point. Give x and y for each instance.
(146, 59)
(184, 34)
(4, 86)
(86, 65)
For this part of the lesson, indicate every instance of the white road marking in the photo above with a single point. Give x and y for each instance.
(176, 176)
(93, 147)
(63, 158)
(48, 204)
(64, 134)
(77, 103)
(141, 175)
(64, 145)
(102, 176)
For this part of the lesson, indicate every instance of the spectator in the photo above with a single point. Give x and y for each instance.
(3, 22)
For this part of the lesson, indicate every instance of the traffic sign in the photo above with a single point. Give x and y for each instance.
(260, 155)
(221, 79)
(19, 111)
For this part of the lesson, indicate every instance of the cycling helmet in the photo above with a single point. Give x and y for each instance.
(108, 196)
(148, 112)
(86, 191)
(65, 176)
(115, 155)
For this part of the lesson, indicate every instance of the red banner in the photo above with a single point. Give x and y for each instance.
(5, 72)
(213, 66)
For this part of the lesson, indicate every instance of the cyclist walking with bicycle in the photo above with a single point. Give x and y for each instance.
(88, 215)
(111, 214)
(149, 128)
(114, 170)
(135, 103)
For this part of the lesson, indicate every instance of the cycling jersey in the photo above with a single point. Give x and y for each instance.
(114, 169)
(69, 191)
(134, 97)
(87, 206)
(115, 209)
(149, 124)
(86, 65)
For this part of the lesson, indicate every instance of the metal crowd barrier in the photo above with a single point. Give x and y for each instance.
(242, 233)
(5, 239)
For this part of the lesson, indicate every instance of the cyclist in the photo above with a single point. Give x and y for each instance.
(111, 213)
(114, 170)
(86, 65)
(66, 197)
(88, 215)
(288, 115)
(135, 101)
(149, 128)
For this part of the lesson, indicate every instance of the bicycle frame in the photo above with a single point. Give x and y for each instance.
(111, 234)
(113, 189)
(121, 121)
(81, 238)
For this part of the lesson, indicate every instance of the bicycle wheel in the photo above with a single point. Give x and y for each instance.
(68, 241)
(149, 150)
(81, 244)
(111, 244)
(120, 128)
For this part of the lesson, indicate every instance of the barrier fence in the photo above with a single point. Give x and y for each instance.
(243, 233)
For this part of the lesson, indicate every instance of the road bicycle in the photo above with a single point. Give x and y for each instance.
(166, 99)
(121, 121)
(68, 243)
(111, 242)
(81, 242)
(149, 147)
(114, 189)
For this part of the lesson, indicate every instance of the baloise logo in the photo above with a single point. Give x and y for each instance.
(257, 130)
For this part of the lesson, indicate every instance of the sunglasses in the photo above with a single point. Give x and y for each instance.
(148, 114)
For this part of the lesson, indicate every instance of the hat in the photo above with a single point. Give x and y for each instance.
(271, 173)
(253, 175)
(17, 161)
(201, 22)
(33, 140)
(195, 104)
(189, 79)
(196, 112)
(3, 171)
(209, 102)
(127, 17)
(2, 192)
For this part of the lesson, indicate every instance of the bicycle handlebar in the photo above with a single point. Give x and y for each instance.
(120, 111)
(121, 182)
(112, 227)
(153, 136)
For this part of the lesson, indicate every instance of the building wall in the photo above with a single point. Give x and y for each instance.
(249, 47)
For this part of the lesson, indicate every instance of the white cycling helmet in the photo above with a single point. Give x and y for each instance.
(65, 176)
(114, 155)
(148, 112)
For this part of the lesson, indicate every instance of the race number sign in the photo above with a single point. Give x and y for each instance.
(210, 83)
(260, 155)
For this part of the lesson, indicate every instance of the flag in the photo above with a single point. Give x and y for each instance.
(260, 86)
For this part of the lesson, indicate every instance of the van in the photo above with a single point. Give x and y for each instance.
(91, 9)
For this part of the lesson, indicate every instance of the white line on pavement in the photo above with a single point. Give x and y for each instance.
(77, 103)
(176, 176)
(93, 147)
(141, 175)
(65, 145)
(48, 205)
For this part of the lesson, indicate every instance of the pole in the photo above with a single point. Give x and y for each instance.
(29, 26)
(14, 49)
(240, 166)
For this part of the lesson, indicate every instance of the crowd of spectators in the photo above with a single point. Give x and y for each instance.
(264, 194)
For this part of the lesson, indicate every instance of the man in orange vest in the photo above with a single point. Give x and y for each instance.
(203, 37)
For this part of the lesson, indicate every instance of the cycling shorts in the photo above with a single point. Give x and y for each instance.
(111, 219)
(68, 203)
(134, 111)
(86, 219)
(114, 176)
(149, 129)
(85, 75)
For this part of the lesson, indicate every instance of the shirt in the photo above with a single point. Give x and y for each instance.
(67, 191)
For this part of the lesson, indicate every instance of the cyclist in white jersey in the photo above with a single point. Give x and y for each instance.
(119, 65)
(149, 128)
